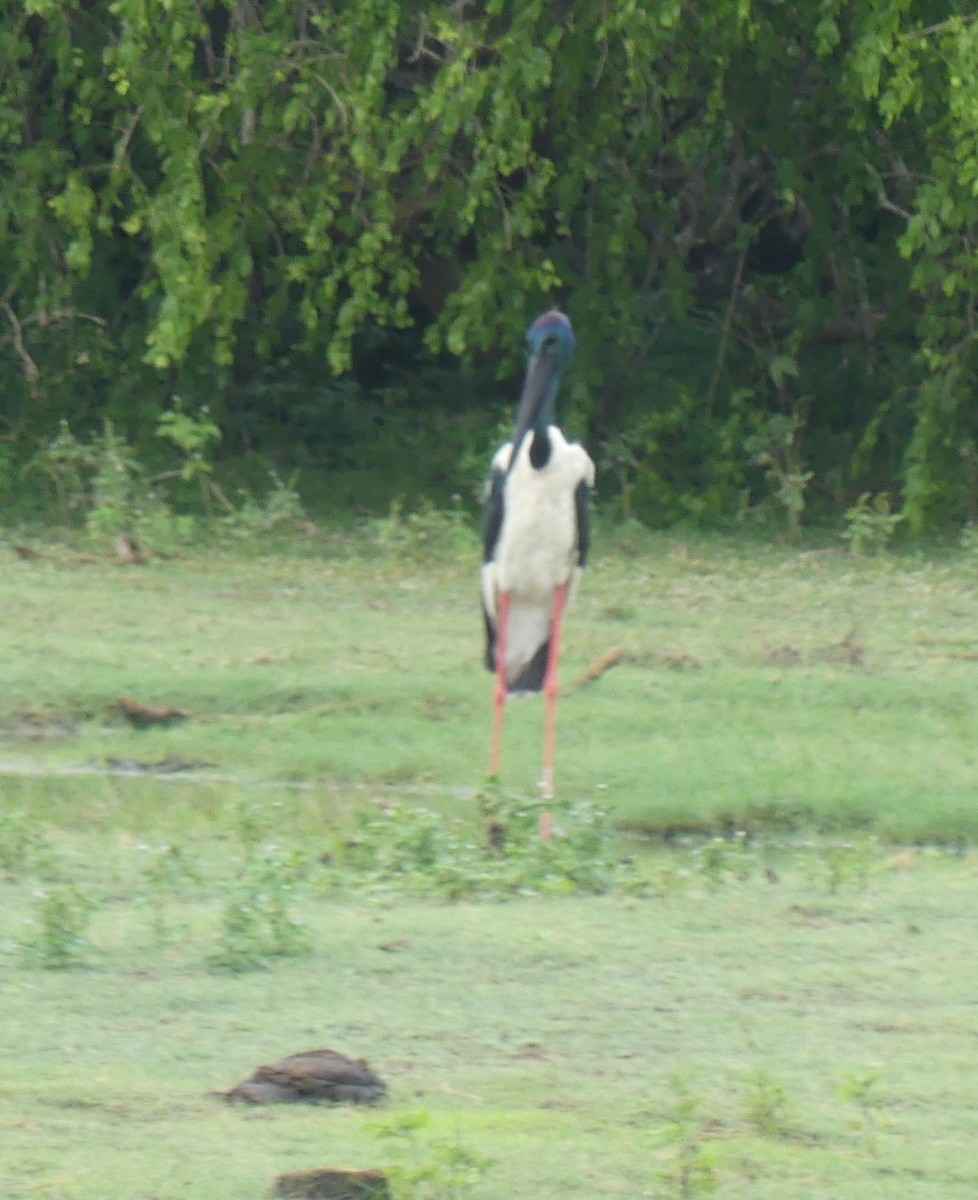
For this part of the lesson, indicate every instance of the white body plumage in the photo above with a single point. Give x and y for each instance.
(538, 545)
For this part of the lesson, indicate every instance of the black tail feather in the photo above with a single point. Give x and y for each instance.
(531, 678)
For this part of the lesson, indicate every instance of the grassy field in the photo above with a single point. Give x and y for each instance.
(752, 977)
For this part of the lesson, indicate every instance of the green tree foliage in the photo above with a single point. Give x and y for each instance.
(306, 214)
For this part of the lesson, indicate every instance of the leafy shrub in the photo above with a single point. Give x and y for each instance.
(59, 942)
(433, 1168)
(166, 877)
(425, 532)
(858, 1088)
(280, 508)
(775, 448)
(421, 851)
(257, 924)
(103, 484)
(692, 1166)
(870, 524)
(768, 1104)
(20, 842)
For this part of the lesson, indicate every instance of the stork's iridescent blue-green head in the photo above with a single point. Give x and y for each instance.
(550, 343)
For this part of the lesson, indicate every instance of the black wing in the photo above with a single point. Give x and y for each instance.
(492, 520)
(582, 507)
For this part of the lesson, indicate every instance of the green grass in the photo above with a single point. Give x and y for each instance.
(759, 684)
(555, 1037)
(786, 1011)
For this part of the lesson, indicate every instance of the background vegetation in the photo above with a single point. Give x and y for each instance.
(269, 260)
(323, 228)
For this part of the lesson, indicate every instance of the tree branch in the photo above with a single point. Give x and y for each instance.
(17, 333)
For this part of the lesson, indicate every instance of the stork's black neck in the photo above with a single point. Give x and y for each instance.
(540, 448)
(538, 404)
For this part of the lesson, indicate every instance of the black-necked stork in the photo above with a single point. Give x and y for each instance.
(536, 539)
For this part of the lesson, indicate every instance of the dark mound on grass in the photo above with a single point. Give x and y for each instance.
(311, 1077)
(329, 1184)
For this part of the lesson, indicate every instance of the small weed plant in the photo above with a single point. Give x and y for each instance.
(165, 878)
(62, 915)
(847, 866)
(258, 924)
(870, 524)
(20, 843)
(279, 509)
(691, 1169)
(67, 465)
(430, 1167)
(721, 859)
(171, 869)
(423, 533)
(424, 853)
(768, 1104)
(192, 435)
(775, 448)
(96, 480)
(102, 484)
(858, 1088)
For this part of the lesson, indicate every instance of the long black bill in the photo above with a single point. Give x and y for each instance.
(542, 373)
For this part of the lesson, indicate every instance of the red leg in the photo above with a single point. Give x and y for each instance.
(550, 691)
(499, 698)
